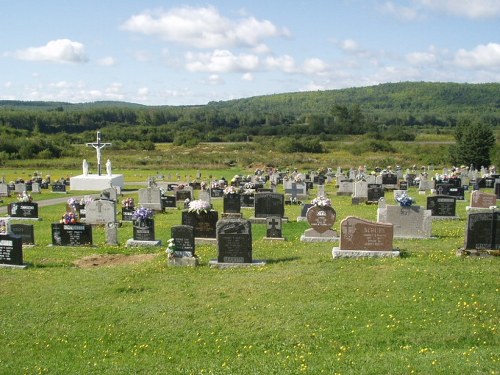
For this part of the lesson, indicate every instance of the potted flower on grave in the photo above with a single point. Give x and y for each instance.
(24, 197)
(321, 202)
(229, 190)
(128, 207)
(170, 248)
(404, 199)
(143, 217)
(69, 218)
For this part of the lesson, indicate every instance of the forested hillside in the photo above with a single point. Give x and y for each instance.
(387, 111)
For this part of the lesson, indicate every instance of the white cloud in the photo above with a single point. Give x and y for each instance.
(483, 56)
(203, 27)
(466, 8)
(143, 92)
(247, 77)
(221, 61)
(421, 58)
(214, 79)
(399, 11)
(7, 84)
(284, 63)
(60, 51)
(315, 66)
(107, 61)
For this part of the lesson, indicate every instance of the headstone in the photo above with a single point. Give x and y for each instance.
(375, 192)
(424, 185)
(321, 219)
(168, 202)
(303, 212)
(4, 190)
(110, 193)
(11, 251)
(274, 228)
(295, 190)
(364, 238)
(403, 185)
(185, 193)
(100, 212)
(408, 221)
(216, 192)
(71, 234)
(232, 203)
(346, 187)
(112, 233)
(204, 224)
(36, 188)
(23, 210)
(144, 230)
(269, 204)
(150, 197)
(248, 200)
(19, 188)
(442, 206)
(127, 213)
(443, 188)
(204, 195)
(234, 237)
(59, 188)
(480, 199)
(183, 239)
(25, 231)
(457, 192)
(360, 194)
(483, 231)
(390, 181)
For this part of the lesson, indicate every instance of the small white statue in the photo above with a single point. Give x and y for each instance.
(85, 167)
(108, 167)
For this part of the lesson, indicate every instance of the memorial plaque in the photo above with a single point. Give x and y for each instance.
(321, 219)
(183, 236)
(25, 231)
(23, 210)
(204, 224)
(59, 188)
(144, 230)
(483, 231)
(232, 203)
(442, 205)
(71, 234)
(361, 234)
(269, 204)
(11, 249)
(234, 238)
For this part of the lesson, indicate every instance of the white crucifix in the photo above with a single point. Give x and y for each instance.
(98, 145)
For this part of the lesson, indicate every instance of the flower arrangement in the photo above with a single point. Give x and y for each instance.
(4, 226)
(180, 187)
(69, 218)
(142, 213)
(231, 190)
(24, 197)
(322, 202)
(128, 202)
(404, 200)
(203, 185)
(298, 178)
(73, 202)
(170, 248)
(199, 206)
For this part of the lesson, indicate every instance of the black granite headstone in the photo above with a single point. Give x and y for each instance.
(389, 179)
(11, 249)
(457, 192)
(204, 224)
(248, 200)
(127, 213)
(232, 203)
(24, 210)
(269, 204)
(483, 231)
(183, 236)
(71, 234)
(234, 238)
(168, 201)
(216, 193)
(59, 188)
(375, 192)
(144, 230)
(274, 227)
(442, 205)
(25, 231)
(305, 207)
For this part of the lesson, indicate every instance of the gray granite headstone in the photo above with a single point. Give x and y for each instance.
(100, 211)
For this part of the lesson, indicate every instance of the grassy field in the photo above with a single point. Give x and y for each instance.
(427, 312)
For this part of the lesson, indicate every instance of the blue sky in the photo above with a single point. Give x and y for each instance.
(192, 52)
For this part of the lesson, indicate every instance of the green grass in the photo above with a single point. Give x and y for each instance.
(426, 312)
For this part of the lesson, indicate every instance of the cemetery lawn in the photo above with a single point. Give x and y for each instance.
(427, 312)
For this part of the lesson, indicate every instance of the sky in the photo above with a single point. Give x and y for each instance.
(194, 52)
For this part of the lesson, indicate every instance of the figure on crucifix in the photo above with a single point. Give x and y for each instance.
(98, 145)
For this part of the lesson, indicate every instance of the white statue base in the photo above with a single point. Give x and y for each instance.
(96, 182)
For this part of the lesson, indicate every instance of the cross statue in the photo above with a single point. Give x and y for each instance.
(98, 145)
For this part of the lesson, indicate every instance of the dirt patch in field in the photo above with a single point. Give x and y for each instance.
(111, 260)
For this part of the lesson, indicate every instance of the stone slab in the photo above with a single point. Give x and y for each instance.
(310, 235)
(262, 220)
(255, 263)
(14, 266)
(96, 182)
(205, 241)
(136, 243)
(337, 253)
(274, 238)
(184, 261)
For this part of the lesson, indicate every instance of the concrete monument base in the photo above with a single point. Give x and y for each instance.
(15, 266)
(184, 261)
(136, 243)
(337, 253)
(205, 241)
(311, 235)
(96, 182)
(214, 263)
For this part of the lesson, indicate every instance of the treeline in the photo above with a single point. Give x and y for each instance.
(386, 112)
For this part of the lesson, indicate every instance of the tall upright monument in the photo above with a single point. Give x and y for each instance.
(99, 181)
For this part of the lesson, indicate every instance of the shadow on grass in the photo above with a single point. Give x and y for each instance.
(281, 260)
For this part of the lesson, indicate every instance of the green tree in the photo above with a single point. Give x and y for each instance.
(474, 142)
